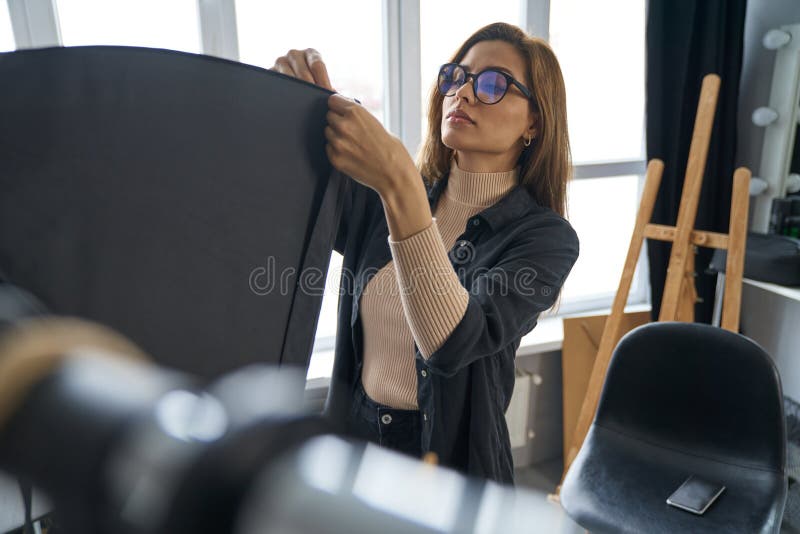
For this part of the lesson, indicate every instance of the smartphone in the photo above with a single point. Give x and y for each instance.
(695, 495)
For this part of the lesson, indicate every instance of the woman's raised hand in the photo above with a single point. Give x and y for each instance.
(304, 64)
(357, 143)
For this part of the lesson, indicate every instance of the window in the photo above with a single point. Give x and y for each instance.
(348, 34)
(605, 232)
(601, 47)
(604, 77)
(322, 354)
(150, 23)
(6, 33)
(443, 28)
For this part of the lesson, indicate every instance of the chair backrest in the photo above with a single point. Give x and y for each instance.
(698, 389)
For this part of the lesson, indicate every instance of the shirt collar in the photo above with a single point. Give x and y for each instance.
(512, 206)
(479, 189)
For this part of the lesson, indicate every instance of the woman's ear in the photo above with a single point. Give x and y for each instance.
(533, 125)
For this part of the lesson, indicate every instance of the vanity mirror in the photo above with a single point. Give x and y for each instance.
(779, 173)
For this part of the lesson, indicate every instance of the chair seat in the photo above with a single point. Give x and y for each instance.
(620, 483)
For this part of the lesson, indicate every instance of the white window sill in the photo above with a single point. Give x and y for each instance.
(547, 336)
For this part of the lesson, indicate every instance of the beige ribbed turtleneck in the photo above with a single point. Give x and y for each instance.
(432, 301)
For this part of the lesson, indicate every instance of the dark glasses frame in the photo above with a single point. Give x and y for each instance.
(510, 80)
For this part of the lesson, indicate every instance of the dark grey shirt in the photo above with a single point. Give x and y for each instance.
(513, 258)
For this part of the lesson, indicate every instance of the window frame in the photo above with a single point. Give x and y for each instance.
(35, 24)
(401, 19)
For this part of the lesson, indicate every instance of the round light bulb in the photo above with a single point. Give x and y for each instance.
(775, 39)
(757, 186)
(793, 183)
(764, 116)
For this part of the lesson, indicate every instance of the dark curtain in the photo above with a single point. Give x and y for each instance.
(686, 40)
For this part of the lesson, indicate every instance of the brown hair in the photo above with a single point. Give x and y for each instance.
(545, 166)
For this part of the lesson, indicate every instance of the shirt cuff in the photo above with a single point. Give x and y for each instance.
(434, 301)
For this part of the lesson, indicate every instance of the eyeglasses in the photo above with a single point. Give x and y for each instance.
(489, 85)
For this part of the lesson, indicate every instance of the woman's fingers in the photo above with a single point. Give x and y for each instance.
(282, 65)
(304, 64)
(340, 104)
(318, 69)
(334, 120)
(297, 59)
(333, 140)
(288, 65)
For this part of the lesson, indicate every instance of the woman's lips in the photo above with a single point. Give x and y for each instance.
(454, 119)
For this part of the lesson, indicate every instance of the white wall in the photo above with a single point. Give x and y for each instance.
(771, 320)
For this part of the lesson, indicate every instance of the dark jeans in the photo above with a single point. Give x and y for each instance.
(393, 428)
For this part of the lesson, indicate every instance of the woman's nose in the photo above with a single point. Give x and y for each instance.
(466, 91)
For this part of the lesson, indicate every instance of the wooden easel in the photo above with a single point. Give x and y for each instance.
(679, 290)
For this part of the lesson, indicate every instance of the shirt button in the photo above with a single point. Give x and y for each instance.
(475, 222)
(424, 373)
(386, 419)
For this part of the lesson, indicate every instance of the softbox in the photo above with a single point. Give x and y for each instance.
(183, 200)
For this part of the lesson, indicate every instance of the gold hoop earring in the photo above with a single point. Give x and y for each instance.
(527, 142)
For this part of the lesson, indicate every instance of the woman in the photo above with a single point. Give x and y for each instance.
(452, 259)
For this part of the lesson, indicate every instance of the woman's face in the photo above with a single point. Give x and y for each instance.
(494, 134)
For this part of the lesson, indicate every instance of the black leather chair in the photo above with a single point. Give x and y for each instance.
(683, 399)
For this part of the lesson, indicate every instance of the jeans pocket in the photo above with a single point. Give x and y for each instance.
(403, 436)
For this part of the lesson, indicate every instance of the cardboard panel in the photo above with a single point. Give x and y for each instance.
(581, 340)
